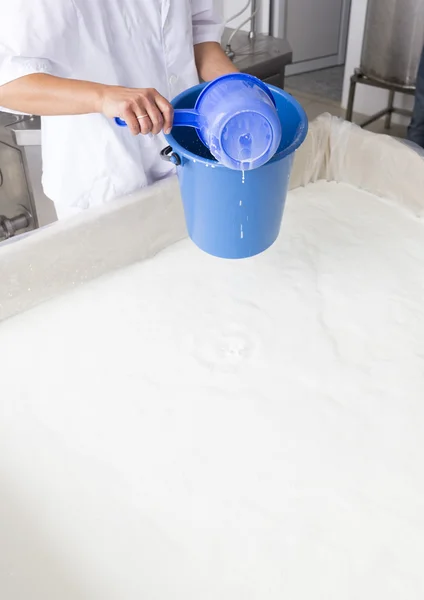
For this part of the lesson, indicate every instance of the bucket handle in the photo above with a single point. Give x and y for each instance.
(169, 155)
(182, 118)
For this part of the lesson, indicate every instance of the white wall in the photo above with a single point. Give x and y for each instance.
(368, 100)
(231, 7)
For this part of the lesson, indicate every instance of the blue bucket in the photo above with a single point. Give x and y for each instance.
(233, 214)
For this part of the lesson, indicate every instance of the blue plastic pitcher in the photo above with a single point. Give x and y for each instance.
(231, 214)
(236, 119)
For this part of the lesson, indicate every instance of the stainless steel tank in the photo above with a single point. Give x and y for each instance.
(393, 41)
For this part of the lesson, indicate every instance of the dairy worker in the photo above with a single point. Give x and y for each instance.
(80, 63)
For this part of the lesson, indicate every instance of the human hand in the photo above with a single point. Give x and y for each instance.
(143, 110)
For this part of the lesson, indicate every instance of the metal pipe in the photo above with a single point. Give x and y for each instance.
(10, 227)
(252, 32)
(254, 11)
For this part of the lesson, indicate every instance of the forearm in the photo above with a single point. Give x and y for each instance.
(212, 62)
(143, 109)
(45, 95)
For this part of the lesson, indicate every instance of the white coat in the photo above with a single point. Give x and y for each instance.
(88, 160)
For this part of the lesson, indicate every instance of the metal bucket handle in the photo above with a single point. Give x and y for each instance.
(169, 155)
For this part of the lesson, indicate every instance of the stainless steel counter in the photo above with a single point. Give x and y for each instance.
(263, 56)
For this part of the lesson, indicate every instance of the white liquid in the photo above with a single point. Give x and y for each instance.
(193, 427)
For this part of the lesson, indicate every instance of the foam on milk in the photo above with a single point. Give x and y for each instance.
(196, 427)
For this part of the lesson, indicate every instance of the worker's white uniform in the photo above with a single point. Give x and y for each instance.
(88, 160)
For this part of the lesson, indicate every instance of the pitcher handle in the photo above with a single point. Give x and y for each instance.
(182, 118)
(187, 118)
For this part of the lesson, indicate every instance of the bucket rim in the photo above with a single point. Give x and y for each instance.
(298, 140)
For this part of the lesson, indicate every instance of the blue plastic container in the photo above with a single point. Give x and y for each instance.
(231, 214)
(236, 118)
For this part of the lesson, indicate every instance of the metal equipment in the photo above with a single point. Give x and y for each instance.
(391, 52)
(263, 56)
(21, 191)
(17, 207)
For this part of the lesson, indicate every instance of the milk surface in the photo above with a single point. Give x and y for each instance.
(197, 428)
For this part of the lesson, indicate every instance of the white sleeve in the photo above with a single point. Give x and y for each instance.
(13, 67)
(207, 22)
(34, 38)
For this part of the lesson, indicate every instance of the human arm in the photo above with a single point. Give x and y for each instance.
(211, 60)
(46, 95)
